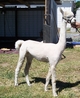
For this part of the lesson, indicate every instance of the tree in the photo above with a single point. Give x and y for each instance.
(77, 5)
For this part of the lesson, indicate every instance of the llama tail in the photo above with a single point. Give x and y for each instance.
(18, 44)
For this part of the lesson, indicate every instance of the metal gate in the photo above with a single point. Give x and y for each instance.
(49, 25)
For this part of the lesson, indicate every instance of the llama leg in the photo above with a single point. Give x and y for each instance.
(48, 78)
(53, 81)
(19, 65)
(26, 70)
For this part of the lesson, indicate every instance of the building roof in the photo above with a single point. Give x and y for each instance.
(23, 2)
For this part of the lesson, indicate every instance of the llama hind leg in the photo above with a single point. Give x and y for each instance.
(47, 79)
(26, 70)
(19, 65)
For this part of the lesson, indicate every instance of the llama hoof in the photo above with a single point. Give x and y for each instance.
(46, 89)
(55, 95)
(16, 84)
(29, 84)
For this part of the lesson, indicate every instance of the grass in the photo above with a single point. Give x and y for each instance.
(67, 77)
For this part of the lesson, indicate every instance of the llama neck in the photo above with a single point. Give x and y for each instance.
(62, 38)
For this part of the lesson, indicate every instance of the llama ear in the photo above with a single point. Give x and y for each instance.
(61, 11)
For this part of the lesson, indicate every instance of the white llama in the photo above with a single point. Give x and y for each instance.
(47, 52)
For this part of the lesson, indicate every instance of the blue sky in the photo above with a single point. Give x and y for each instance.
(77, 0)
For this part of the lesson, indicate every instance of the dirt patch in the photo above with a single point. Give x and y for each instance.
(4, 64)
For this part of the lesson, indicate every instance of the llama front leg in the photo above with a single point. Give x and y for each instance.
(47, 79)
(53, 81)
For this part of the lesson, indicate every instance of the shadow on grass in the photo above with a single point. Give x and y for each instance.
(62, 85)
(59, 84)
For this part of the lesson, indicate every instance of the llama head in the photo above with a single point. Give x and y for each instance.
(68, 16)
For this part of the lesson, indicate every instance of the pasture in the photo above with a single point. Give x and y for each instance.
(67, 77)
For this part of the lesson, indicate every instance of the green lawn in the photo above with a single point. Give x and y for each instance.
(67, 77)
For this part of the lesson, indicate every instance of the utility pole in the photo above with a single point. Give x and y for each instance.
(46, 9)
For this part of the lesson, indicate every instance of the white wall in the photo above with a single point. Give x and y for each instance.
(78, 15)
